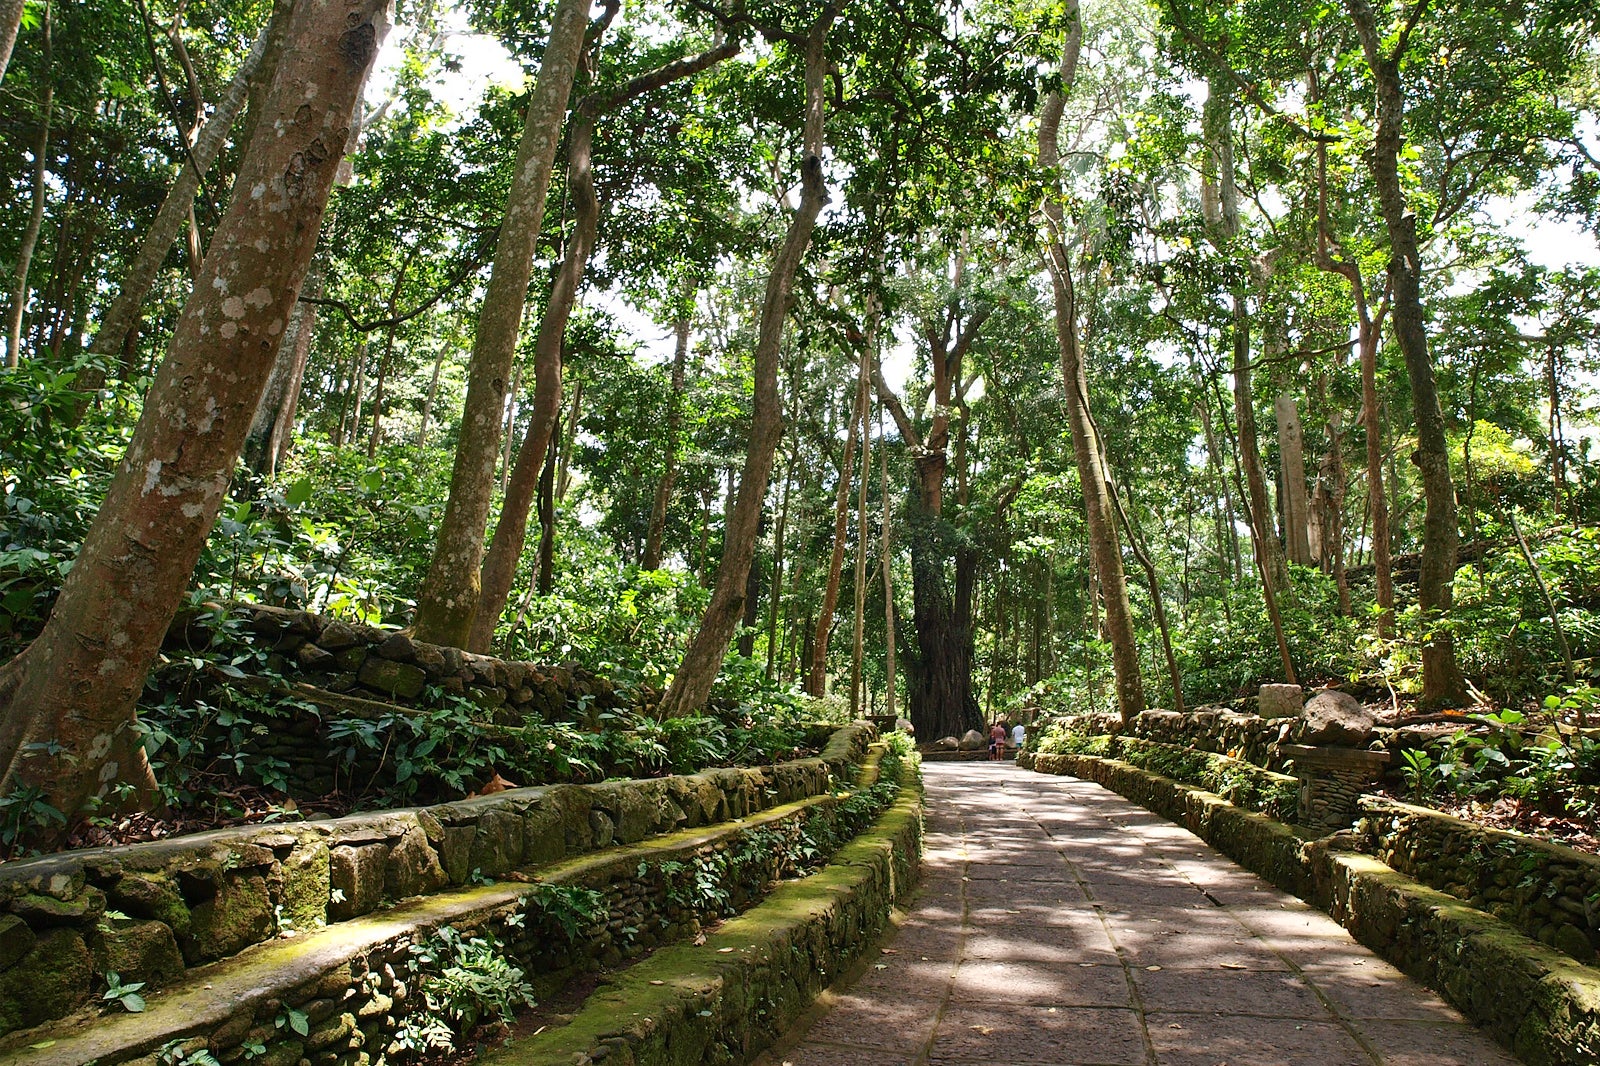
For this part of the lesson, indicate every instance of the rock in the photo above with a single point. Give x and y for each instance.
(338, 635)
(16, 940)
(138, 951)
(311, 657)
(1335, 719)
(356, 876)
(151, 896)
(602, 829)
(904, 725)
(239, 915)
(1571, 940)
(1280, 701)
(947, 744)
(49, 981)
(455, 852)
(305, 889)
(397, 680)
(972, 740)
(44, 911)
(399, 648)
(350, 659)
(497, 845)
(413, 867)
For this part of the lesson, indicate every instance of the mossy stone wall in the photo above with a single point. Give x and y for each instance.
(149, 911)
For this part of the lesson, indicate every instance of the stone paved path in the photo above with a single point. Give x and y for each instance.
(1060, 924)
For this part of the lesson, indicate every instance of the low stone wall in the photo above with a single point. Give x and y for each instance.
(1550, 892)
(149, 911)
(1242, 736)
(727, 999)
(1541, 1004)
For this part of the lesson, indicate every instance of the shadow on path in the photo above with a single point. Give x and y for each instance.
(1058, 923)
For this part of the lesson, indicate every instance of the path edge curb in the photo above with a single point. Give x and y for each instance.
(1540, 1004)
(730, 998)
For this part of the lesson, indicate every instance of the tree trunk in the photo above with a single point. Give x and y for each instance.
(30, 234)
(427, 402)
(510, 533)
(267, 428)
(886, 556)
(76, 685)
(817, 674)
(776, 599)
(10, 22)
(547, 523)
(1104, 550)
(691, 685)
(669, 465)
(858, 646)
(1442, 683)
(121, 317)
(1292, 458)
(447, 602)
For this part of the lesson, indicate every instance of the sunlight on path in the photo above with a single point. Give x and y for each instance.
(1059, 924)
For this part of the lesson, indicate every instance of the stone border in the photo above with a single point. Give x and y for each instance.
(731, 997)
(1549, 891)
(187, 901)
(349, 981)
(1536, 1001)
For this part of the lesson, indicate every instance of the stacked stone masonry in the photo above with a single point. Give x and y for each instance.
(151, 912)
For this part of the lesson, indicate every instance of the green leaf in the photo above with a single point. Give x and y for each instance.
(298, 493)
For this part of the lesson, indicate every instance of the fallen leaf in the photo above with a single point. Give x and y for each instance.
(699, 939)
(1152, 969)
(725, 950)
(658, 982)
(984, 1029)
(1232, 965)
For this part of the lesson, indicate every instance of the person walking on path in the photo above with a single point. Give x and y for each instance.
(997, 740)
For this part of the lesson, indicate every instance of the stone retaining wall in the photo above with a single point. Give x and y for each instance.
(727, 999)
(1541, 1004)
(1550, 892)
(1243, 736)
(150, 911)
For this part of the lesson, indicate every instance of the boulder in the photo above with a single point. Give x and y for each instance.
(947, 744)
(904, 725)
(972, 740)
(395, 679)
(1280, 701)
(1335, 719)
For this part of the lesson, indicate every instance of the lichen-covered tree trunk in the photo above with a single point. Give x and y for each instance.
(10, 22)
(1442, 683)
(1105, 551)
(30, 233)
(817, 670)
(691, 685)
(68, 698)
(1296, 503)
(447, 602)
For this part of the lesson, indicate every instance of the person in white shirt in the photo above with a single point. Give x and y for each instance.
(1018, 735)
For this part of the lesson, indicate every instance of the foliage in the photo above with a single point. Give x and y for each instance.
(462, 981)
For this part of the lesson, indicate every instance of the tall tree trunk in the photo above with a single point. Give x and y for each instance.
(1105, 551)
(776, 599)
(447, 602)
(121, 316)
(1292, 458)
(886, 555)
(691, 685)
(30, 233)
(817, 674)
(669, 466)
(427, 401)
(264, 441)
(67, 701)
(547, 522)
(510, 533)
(857, 646)
(1442, 683)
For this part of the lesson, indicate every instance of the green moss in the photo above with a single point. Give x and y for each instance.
(50, 980)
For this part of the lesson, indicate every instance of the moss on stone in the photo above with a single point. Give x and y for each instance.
(53, 977)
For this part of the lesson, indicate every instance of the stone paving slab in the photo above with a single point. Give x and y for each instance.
(1060, 925)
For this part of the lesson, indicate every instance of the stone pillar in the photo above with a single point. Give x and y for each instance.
(1331, 782)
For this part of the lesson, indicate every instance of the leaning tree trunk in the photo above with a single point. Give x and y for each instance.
(691, 685)
(10, 22)
(1442, 683)
(122, 315)
(511, 532)
(67, 701)
(447, 602)
(1105, 551)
